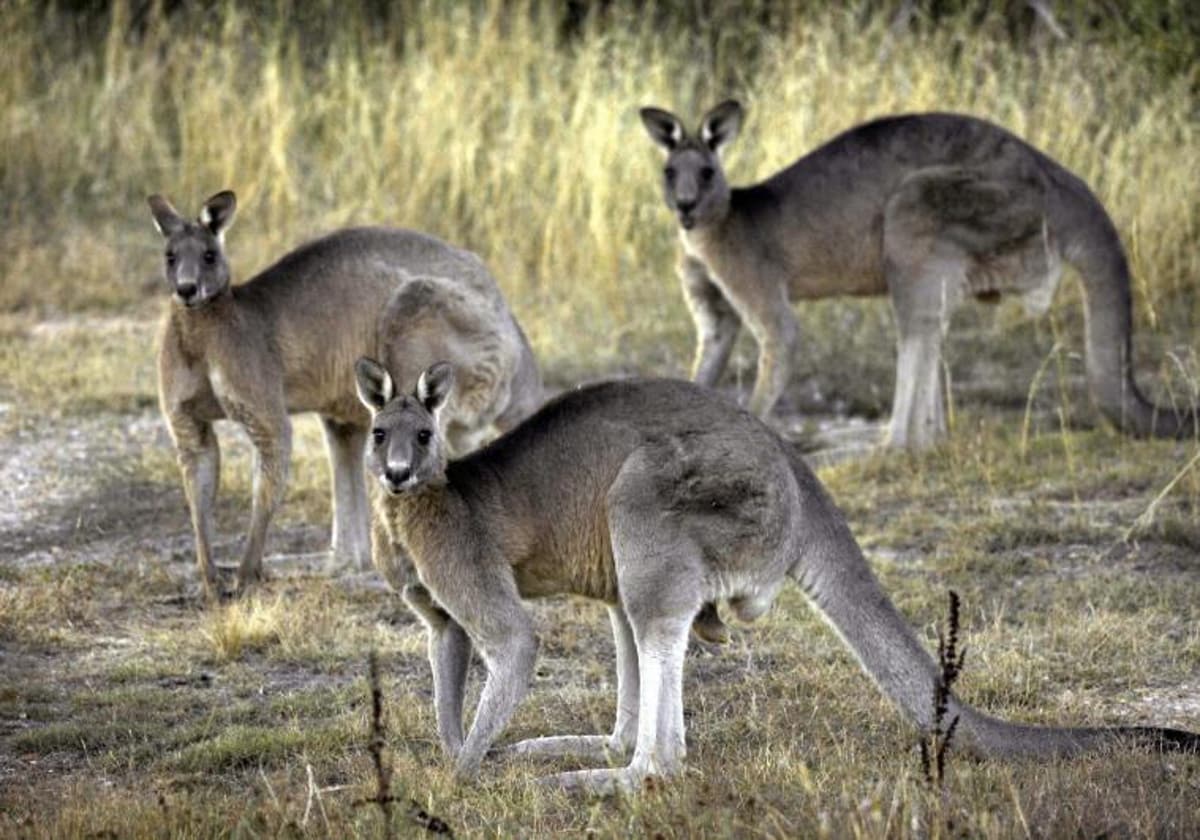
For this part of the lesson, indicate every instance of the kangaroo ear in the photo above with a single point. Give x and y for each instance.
(218, 212)
(721, 124)
(433, 388)
(373, 383)
(664, 127)
(166, 219)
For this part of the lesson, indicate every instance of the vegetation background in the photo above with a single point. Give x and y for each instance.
(511, 128)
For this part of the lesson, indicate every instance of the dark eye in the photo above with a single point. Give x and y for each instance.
(210, 257)
(378, 435)
(170, 258)
(707, 173)
(669, 172)
(424, 436)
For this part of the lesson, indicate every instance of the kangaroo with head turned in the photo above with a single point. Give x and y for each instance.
(654, 497)
(927, 208)
(286, 340)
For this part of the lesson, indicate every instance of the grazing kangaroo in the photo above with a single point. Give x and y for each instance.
(654, 497)
(928, 208)
(286, 341)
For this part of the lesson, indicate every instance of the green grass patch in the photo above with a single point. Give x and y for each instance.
(239, 747)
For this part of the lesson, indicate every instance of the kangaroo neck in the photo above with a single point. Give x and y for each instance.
(196, 325)
(420, 519)
(704, 240)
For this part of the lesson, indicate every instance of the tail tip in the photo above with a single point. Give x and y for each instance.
(1166, 740)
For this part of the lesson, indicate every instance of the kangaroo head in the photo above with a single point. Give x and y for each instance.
(406, 450)
(693, 181)
(196, 268)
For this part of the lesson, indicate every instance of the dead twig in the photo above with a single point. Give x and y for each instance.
(935, 744)
(1043, 12)
(314, 792)
(383, 797)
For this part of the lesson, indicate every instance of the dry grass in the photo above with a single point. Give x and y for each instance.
(483, 126)
(128, 710)
(244, 626)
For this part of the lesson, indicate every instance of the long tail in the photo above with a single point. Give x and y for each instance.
(1094, 249)
(831, 569)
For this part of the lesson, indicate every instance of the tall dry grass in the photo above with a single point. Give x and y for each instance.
(484, 124)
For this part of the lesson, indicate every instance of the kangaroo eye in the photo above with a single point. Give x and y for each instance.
(378, 435)
(170, 258)
(669, 172)
(424, 436)
(707, 173)
(210, 257)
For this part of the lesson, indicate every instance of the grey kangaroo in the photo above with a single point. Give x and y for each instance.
(655, 497)
(286, 341)
(927, 208)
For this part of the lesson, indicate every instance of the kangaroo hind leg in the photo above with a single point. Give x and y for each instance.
(351, 540)
(271, 434)
(926, 281)
(918, 410)
(600, 747)
(950, 231)
(659, 575)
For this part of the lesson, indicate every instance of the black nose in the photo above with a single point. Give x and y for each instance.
(397, 477)
(685, 206)
(187, 291)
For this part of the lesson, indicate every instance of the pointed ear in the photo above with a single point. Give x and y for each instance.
(218, 212)
(664, 128)
(721, 124)
(373, 383)
(166, 219)
(433, 388)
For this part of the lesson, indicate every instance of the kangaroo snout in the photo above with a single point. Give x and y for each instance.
(395, 477)
(186, 291)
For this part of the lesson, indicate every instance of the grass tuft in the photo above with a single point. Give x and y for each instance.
(245, 626)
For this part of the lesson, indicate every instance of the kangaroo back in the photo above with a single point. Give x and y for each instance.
(430, 319)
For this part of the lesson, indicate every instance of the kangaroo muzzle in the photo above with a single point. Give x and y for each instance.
(396, 477)
(186, 292)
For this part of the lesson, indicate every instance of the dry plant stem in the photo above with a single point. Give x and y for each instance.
(383, 773)
(1146, 518)
(950, 660)
(1035, 385)
(314, 793)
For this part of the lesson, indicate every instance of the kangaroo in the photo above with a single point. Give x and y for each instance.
(927, 208)
(286, 340)
(655, 497)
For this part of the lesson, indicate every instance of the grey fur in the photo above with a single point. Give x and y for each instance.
(286, 341)
(654, 497)
(928, 208)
